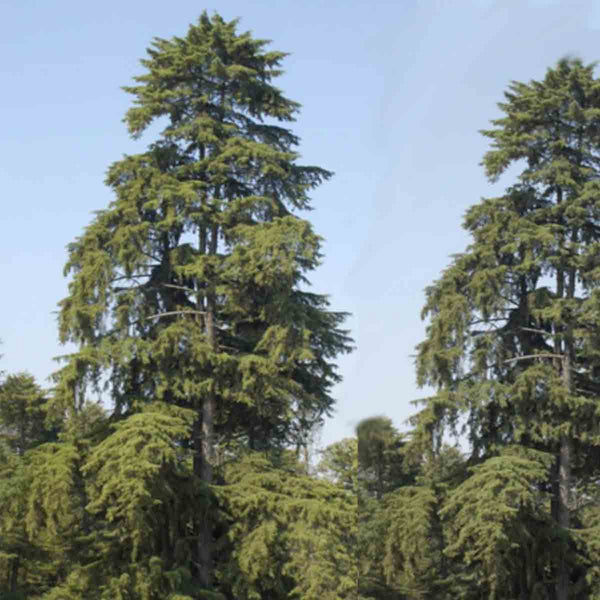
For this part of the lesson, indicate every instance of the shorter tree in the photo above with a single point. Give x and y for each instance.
(23, 428)
(23, 419)
(379, 457)
(339, 464)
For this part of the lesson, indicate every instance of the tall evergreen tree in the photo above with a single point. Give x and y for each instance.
(512, 343)
(189, 289)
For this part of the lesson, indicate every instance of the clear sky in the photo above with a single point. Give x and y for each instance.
(393, 94)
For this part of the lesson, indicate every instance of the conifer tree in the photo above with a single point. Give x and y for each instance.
(13, 539)
(22, 413)
(378, 453)
(24, 427)
(190, 288)
(403, 538)
(512, 343)
(339, 464)
(289, 535)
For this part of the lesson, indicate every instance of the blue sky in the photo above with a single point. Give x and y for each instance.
(393, 95)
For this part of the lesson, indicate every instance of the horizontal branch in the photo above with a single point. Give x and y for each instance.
(182, 287)
(479, 321)
(528, 356)
(177, 312)
(130, 277)
(477, 332)
(533, 330)
(167, 285)
(590, 392)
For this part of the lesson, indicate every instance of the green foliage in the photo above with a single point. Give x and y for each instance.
(23, 416)
(402, 536)
(24, 428)
(53, 509)
(188, 285)
(13, 538)
(135, 472)
(499, 527)
(108, 513)
(290, 535)
(379, 457)
(339, 464)
(409, 542)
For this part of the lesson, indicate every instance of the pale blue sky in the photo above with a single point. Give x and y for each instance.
(393, 95)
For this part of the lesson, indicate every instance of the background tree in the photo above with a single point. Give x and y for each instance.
(379, 457)
(339, 464)
(23, 416)
(23, 426)
(382, 476)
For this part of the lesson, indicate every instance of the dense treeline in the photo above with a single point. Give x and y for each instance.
(189, 314)
(106, 508)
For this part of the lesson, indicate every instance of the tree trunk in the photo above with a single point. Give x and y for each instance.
(379, 474)
(204, 434)
(563, 345)
(14, 574)
(565, 455)
(564, 483)
(203, 469)
(564, 480)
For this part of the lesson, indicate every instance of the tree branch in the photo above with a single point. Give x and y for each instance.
(181, 287)
(528, 356)
(176, 312)
(533, 330)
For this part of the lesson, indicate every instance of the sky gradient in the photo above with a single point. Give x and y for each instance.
(393, 93)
